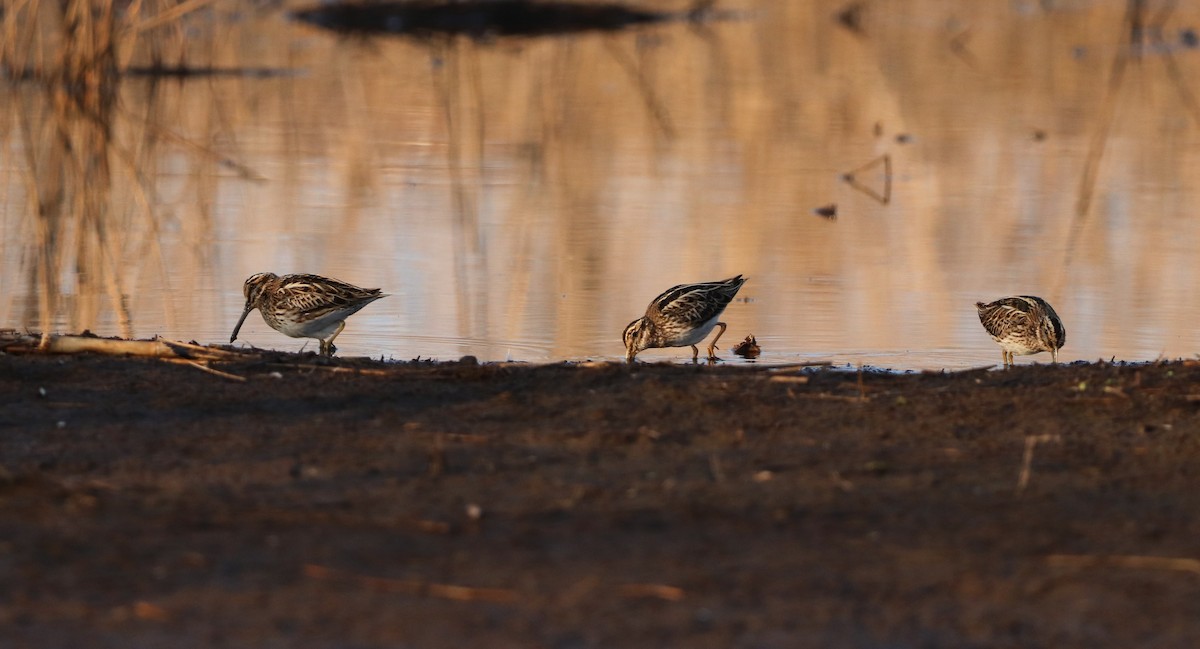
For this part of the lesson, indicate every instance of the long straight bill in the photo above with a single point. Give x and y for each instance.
(239, 324)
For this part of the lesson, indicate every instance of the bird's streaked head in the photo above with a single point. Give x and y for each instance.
(637, 337)
(255, 287)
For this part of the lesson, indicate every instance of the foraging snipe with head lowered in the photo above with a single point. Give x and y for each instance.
(682, 316)
(1023, 325)
(304, 306)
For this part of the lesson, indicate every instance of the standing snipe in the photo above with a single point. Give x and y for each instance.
(1023, 325)
(304, 306)
(683, 315)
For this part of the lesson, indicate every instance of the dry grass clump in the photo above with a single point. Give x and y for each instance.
(68, 57)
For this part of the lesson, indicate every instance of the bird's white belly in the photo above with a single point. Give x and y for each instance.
(320, 328)
(694, 336)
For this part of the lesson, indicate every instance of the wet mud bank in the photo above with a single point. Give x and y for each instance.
(362, 504)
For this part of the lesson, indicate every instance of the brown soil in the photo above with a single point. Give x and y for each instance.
(147, 504)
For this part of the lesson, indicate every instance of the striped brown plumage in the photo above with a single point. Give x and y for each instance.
(682, 316)
(304, 306)
(1022, 325)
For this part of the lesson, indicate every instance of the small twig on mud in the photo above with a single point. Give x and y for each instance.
(826, 395)
(714, 467)
(144, 610)
(577, 593)
(790, 366)
(1027, 462)
(1138, 562)
(414, 586)
(437, 457)
(337, 369)
(433, 527)
(840, 482)
(657, 591)
(205, 368)
(982, 369)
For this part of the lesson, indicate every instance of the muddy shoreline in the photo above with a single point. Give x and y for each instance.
(363, 504)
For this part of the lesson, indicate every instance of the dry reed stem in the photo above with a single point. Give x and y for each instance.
(652, 591)
(460, 593)
(153, 236)
(337, 369)
(714, 467)
(654, 107)
(205, 368)
(1131, 30)
(414, 586)
(831, 397)
(981, 369)
(170, 15)
(790, 366)
(458, 87)
(437, 457)
(150, 611)
(66, 344)
(18, 40)
(243, 171)
(1133, 562)
(70, 186)
(788, 378)
(1031, 441)
(189, 353)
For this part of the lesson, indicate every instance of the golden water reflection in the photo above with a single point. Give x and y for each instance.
(525, 199)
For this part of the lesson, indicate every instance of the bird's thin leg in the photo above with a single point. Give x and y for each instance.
(327, 344)
(1054, 355)
(712, 347)
(695, 354)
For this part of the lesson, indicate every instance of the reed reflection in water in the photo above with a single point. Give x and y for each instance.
(525, 198)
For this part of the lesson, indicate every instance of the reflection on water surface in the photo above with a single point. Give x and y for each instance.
(525, 198)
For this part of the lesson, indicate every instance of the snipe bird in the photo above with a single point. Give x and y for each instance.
(682, 316)
(1023, 325)
(304, 306)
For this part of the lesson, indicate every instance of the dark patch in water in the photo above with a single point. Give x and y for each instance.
(173, 72)
(185, 72)
(479, 18)
(1189, 39)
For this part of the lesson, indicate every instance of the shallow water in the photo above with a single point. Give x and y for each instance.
(524, 199)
